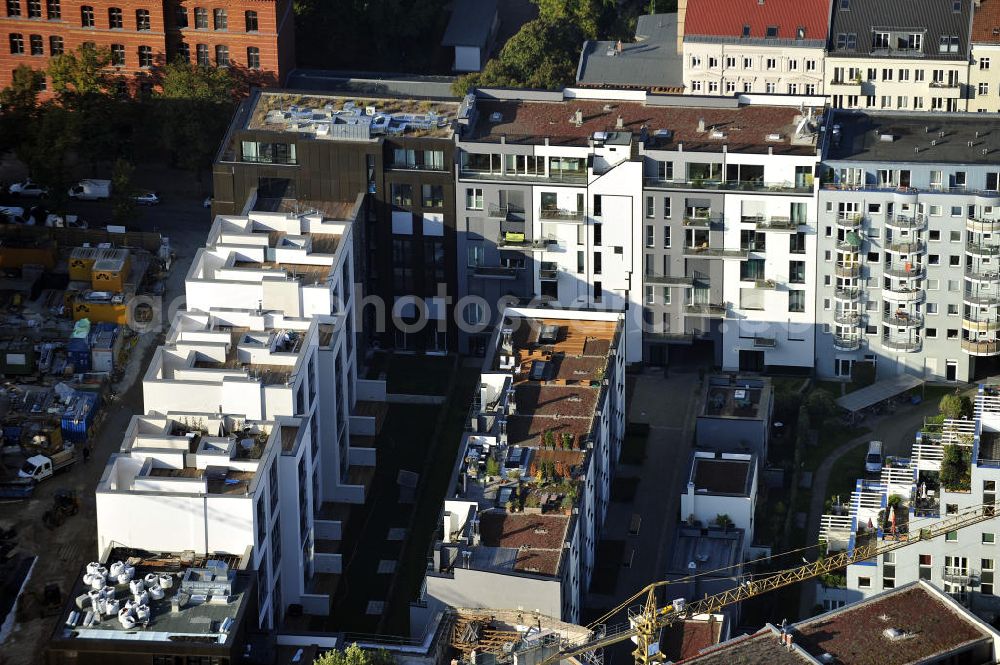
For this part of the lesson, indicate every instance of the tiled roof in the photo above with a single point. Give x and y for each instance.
(687, 638)
(855, 634)
(986, 22)
(726, 18)
(756, 649)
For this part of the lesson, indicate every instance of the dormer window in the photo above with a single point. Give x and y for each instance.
(800, 33)
(845, 5)
(772, 31)
(746, 30)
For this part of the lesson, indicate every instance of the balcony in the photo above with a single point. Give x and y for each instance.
(495, 272)
(716, 252)
(679, 280)
(946, 89)
(731, 186)
(980, 249)
(849, 222)
(849, 294)
(906, 223)
(982, 225)
(853, 245)
(781, 224)
(980, 325)
(981, 299)
(847, 342)
(847, 269)
(559, 215)
(404, 166)
(513, 240)
(507, 212)
(955, 575)
(706, 309)
(843, 86)
(982, 274)
(569, 178)
(847, 318)
(906, 247)
(904, 272)
(981, 348)
(905, 294)
(703, 222)
(905, 345)
(903, 320)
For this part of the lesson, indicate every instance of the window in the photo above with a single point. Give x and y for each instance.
(118, 55)
(984, 63)
(695, 61)
(598, 292)
(746, 30)
(34, 8)
(864, 582)
(13, 7)
(847, 40)
(730, 86)
(797, 272)
(650, 207)
(770, 87)
(597, 207)
(253, 57)
(16, 43)
(988, 538)
(796, 300)
(402, 194)
(142, 19)
(650, 236)
(650, 295)
(986, 577)
(201, 52)
(580, 262)
(87, 16)
(432, 196)
(36, 44)
(473, 198)
(184, 51)
(771, 32)
(747, 63)
(222, 55)
(115, 21)
(771, 63)
(200, 18)
(951, 537)
(54, 9)
(984, 88)
(696, 86)
(597, 263)
(145, 56)
(181, 17)
(250, 17)
(797, 243)
(948, 44)
(219, 20)
(666, 207)
(55, 45)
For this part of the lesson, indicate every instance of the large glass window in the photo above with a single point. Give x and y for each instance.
(266, 153)
(432, 196)
(698, 171)
(402, 194)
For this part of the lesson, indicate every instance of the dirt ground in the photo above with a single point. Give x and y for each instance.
(64, 551)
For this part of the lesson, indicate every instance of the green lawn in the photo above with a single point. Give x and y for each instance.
(846, 472)
(832, 387)
(830, 438)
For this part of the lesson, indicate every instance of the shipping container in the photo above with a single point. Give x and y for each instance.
(17, 357)
(111, 309)
(104, 347)
(79, 417)
(110, 274)
(78, 354)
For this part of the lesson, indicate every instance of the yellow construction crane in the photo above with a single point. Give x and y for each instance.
(646, 620)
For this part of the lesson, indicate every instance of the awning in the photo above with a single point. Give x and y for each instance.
(878, 391)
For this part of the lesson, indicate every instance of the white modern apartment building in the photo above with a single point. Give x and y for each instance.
(531, 483)
(749, 46)
(908, 271)
(722, 483)
(953, 468)
(267, 343)
(901, 55)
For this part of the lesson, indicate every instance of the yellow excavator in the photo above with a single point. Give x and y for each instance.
(646, 619)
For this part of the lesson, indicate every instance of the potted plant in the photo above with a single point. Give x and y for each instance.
(567, 505)
(532, 504)
(723, 520)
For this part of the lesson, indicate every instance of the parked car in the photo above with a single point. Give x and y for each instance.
(91, 190)
(28, 189)
(873, 460)
(65, 221)
(146, 198)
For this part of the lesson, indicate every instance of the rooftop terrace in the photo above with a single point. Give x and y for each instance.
(351, 118)
(899, 137)
(187, 599)
(736, 397)
(745, 128)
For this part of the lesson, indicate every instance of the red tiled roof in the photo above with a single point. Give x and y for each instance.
(726, 18)
(986, 22)
(687, 638)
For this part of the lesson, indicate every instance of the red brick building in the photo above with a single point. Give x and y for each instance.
(256, 35)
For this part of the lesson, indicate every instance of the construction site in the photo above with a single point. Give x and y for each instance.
(74, 304)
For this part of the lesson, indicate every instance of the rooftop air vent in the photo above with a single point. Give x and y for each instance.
(717, 134)
(773, 137)
(896, 634)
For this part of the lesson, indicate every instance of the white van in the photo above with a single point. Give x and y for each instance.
(873, 460)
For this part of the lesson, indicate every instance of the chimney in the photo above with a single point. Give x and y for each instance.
(620, 123)
(577, 118)
(682, 6)
(701, 124)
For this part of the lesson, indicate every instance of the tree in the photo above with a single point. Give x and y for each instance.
(821, 405)
(81, 72)
(194, 108)
(19, 107)
(355, 655)
(956, 467)
(584, 14)
(46, 149)
(122, 193)
(950, 406)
